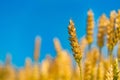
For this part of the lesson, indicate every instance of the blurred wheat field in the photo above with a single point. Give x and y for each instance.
(90, 62)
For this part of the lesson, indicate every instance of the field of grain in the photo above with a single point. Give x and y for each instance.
(90, 62)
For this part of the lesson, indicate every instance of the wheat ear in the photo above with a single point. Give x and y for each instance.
(75, 45)
(100, 71)
(90, 27)
(101, 28)
(115, 70)
(101, 33)
(87, 70)
(37, 48)
(109, 74)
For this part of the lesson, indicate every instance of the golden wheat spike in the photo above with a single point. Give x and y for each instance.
(28, 67)
(36, 72)
(115, 37)
(87, 70)
(75, 45)
(94, 56)
(74, 42)
(65, 70)
(37, 48)
(115, 29)
(101, 30)
(57, 45)
(117, 24)
(109, 74)
(110, 32)
(113, 15)
(116, 34)
(115, 70)
(100, 71)
(112, 25)
(90, 27)
(45, 67)
(118, 28)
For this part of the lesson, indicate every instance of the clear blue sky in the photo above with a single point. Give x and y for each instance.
(22, 20)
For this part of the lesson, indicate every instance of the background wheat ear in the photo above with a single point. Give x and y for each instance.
(109, 74)
(115, 29)
(115, 70)
(117, 25)
(110, 34)
(57, 45)
(100, 71)
(37, 48)
(87, 70)
(90, 27)
(75, 45)
(101, 33)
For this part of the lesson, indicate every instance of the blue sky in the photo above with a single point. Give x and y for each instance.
(22, 20)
